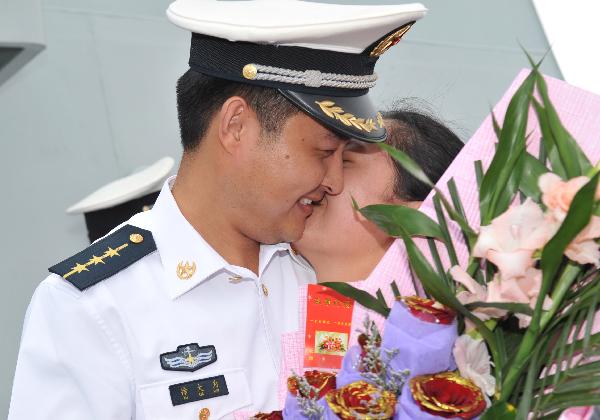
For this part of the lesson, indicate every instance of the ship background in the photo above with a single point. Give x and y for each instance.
(87, 95)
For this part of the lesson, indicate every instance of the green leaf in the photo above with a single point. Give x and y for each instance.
(500, 411)
(395, 289)
(478, 173)
(380, 297)
(407, 163)
(413, 168)
(360, 296)
(572, 157)
(579, 385)
(532, 373)
(445, 231)
(507, 194)
(391, 218)
(435, 256)
(496, 125)
(572, 399)
(520, 308)
(547, 140)
(532, 170)
(510, 146)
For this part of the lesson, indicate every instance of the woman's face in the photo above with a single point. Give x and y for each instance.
(335, 228)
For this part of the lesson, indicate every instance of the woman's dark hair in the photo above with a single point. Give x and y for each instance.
(429, 143)
(199, 97)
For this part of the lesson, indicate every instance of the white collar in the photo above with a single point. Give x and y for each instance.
(179, 243)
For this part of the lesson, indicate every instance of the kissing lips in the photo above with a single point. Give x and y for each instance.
(306, 204)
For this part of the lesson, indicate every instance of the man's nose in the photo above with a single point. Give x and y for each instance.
(333, 182)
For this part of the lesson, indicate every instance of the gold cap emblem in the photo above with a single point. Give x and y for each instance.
(185, 271)
(390, 40)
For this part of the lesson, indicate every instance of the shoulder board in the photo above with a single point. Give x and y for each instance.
(106, 257)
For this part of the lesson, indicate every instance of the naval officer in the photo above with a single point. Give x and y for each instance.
(177, 314)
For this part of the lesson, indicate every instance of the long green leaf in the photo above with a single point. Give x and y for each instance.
(574, 160)
(520, 308)
(510, 145)
(445, 231)
(532, 170)
(547, 140)
(391, 218)
(360, 296)
(579, 385)
(407, 163)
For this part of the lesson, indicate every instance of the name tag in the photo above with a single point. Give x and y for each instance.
(202, 389)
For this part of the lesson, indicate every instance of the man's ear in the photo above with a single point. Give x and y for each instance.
(235, 120)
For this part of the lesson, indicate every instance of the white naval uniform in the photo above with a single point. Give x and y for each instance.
(95, 354)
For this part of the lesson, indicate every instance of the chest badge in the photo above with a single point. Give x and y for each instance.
(188, 358)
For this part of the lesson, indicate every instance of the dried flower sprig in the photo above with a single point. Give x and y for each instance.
(308, 405)
(375, 368)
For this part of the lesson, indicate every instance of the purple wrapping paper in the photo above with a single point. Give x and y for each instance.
(425, 347)
(349, 372)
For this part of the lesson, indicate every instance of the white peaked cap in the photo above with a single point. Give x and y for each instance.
(138, 184)
(319, 56)
(333, 27)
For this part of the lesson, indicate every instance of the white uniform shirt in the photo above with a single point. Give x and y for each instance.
(96, 354)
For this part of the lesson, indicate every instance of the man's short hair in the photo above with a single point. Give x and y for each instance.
(199, 97)
(431, 144)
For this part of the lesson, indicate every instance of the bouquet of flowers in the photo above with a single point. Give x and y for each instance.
(509, 334)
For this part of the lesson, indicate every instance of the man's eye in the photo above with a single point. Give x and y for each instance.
(328, 152)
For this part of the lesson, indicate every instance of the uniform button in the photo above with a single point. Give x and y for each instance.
(265, 290)
(235, 279)
(204, 414)
(136, 238)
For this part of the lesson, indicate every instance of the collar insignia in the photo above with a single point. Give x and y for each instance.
(185, 271)
(188, 358)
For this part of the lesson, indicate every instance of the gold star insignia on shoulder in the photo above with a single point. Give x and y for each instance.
(97, 262)
(111, 252)
(79, 268)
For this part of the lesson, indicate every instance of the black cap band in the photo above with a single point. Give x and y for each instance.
(224, 59)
